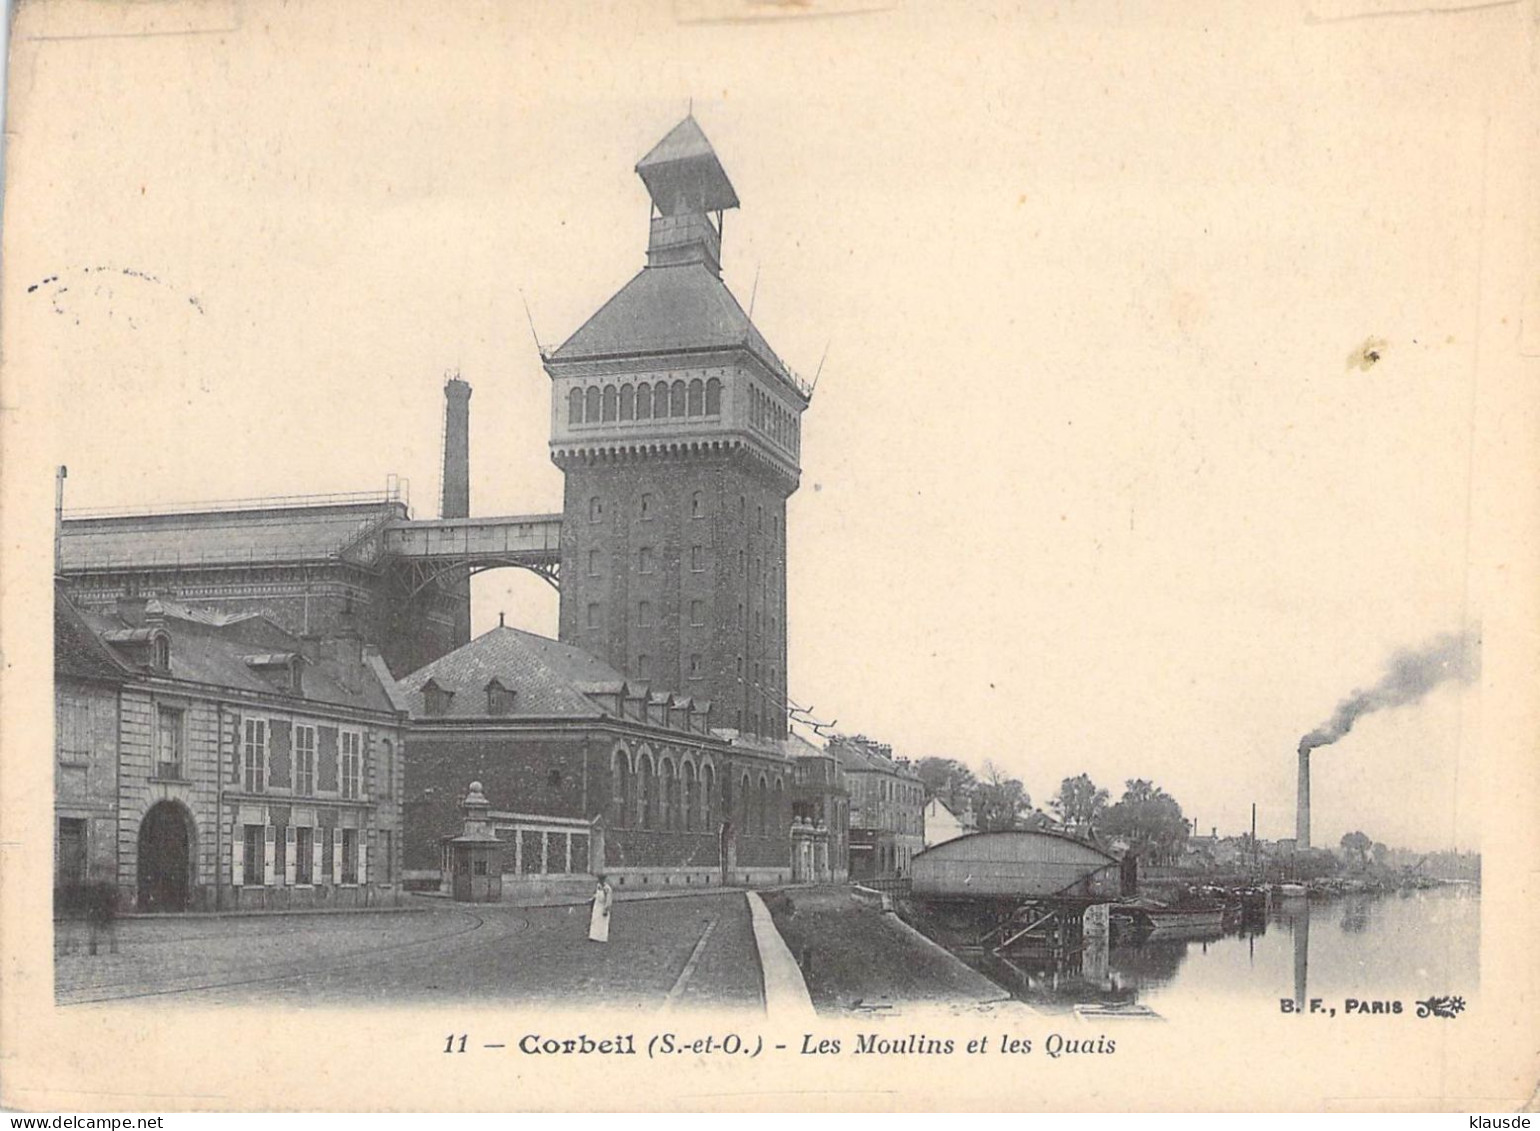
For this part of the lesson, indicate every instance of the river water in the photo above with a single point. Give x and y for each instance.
(1401, 946)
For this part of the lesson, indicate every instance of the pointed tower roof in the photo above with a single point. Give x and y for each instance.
(682, 173)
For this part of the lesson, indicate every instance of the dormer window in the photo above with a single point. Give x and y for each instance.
(160, 652)
(435, 698)
(297, 675)
(500, 699)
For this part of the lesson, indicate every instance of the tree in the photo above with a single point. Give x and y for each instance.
(1381, 854)
(1355, 848)
(948, 779)
(1149, 819)
(1079, 805)
(999, 800)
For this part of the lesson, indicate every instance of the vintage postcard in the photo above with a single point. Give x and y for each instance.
(746, 555)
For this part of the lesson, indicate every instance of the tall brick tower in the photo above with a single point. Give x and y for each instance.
(678, 430)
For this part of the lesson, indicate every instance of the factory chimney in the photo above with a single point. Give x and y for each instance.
(1302, 814)
(455, 500)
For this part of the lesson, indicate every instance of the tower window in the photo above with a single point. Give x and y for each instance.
(646, 506)
(676, 400)
(627, 402)
(644, 666)
(595, 509)
(575, 406)
(593, 563)
(761, 511)
(740, 665)
(591, 406)
(593, 615)
(694, 665)
(697, 612)
(644, 401)
(697, 558)
(713, 397)
(697, 397)
(609, 402)
(697, 506)
(644, 560)
(644, 613)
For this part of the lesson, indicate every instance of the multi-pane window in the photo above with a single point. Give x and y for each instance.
(304, 855)
(254, 755)
(168, 742)
(351, 745)
(304, 760)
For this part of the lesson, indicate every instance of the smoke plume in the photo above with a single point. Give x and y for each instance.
(1409, 676)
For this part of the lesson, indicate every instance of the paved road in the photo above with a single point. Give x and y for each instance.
(448, 953)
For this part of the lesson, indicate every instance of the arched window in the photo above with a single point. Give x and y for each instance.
(668, 794)
(609, 402)
(627, 402)
(575, 406)
(697, 397)
(595, 509)
(763, 806)
(708, 797)
(591, 406)
(645, 791)
(691, 798)
(644, 401)
(620, 785)
(676, 400)
(779, 814)
(713, 397)
(742, 806)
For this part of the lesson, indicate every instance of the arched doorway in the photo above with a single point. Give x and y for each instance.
(165, 858)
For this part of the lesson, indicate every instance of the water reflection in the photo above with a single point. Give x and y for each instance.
(1397, 946)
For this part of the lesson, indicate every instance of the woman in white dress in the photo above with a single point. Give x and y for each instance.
(599, 918)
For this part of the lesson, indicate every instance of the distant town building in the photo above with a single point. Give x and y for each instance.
(820, 799)
(209, 761)
(585, 772)
(887, 807)
(941, 824)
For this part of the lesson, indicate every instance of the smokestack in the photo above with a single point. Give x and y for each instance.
(1302, 814)
(455, 500)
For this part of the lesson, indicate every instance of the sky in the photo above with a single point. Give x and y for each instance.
(1095, 478)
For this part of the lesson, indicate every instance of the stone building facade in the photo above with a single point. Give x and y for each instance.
(213, 762)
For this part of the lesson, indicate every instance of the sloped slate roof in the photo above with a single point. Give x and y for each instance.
(77, 650)
(217, 537)
(217, 655)
(684, 158)
(668, 309)
(544, 674)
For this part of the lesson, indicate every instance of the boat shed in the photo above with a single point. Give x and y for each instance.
(1016, 865)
